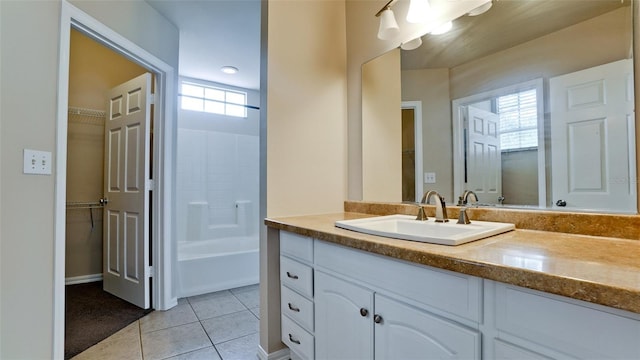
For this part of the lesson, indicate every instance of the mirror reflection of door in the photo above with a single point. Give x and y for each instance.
(484, 166)
(408, 156)
(593, 110)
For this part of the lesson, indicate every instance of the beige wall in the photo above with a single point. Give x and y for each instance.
(520, 177)
(306, 109)
(436, 121)
(29, 48)
(363, 45)
(93, 70)
(303, 115)
(382, 132)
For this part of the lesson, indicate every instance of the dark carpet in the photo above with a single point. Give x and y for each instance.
(92, 315)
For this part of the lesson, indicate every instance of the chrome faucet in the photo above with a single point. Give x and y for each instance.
(464, 199)
(441, 208)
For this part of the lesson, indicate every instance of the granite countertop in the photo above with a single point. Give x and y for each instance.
(600, 270)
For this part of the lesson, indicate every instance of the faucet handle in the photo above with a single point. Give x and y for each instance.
(422, 216)
(463, 218)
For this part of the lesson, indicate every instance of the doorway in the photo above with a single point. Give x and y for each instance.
(162, 154)
(93, 70)
(412, 156)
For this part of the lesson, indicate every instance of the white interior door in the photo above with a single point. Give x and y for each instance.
(126, 231)
(484, 163)
(593, 138)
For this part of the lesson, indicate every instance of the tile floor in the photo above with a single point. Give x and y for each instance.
(221, 325)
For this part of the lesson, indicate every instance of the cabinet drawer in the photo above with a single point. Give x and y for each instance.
(454, 293)
(296, 276)
(575, 328)
(297, 339)
(296, 246)
(297, 307)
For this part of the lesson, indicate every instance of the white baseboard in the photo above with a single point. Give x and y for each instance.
(82, 279)
(282, 354)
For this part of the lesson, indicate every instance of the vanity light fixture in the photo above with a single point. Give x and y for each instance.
(388, 25)
(411, 44)
(229, 69)
(418, 11)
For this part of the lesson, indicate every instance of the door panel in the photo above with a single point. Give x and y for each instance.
(592, 153)
(408, 333)
(341, 331)
(484, 163)
(126, 236)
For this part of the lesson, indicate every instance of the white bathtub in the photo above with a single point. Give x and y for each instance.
(217, 264)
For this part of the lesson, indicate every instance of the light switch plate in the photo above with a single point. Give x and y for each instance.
(37, 162)
(429, 178)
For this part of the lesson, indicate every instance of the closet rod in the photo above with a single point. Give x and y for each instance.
(84, 205)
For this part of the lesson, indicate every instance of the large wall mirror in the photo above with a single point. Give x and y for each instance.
(529, 105)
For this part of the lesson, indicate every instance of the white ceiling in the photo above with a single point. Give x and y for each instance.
(216, 33)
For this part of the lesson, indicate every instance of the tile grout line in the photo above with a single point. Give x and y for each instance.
(140, 339)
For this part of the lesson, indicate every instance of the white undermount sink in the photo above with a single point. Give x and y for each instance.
(406, 227)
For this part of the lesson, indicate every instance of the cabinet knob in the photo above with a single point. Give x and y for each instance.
(364, 312)
(377, 319)
(293, 308)
(292, 276)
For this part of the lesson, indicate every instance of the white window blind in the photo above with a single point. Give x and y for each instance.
(518, 120)
(213, 100)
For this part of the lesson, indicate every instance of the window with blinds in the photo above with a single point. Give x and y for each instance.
(213, 100)
(518, 120)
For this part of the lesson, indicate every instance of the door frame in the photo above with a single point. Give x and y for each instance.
(417, 126)
(458, 133)
(162, 155)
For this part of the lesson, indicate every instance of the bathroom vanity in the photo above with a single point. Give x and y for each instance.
(518, 295)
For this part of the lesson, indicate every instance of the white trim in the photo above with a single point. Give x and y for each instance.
(417, 120)
(457, 119)
(163, 158)
(282, 354)
(83, 279)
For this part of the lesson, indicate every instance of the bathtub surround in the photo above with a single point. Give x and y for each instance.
(217, 201)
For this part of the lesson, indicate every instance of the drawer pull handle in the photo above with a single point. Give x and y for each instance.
(377, 319)
(293, 308)
(292, 276)
(364, 312)
(294, 340)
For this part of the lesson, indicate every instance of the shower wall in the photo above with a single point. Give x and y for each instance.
(217, 179)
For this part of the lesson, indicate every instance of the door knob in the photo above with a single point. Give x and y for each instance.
(104, 201)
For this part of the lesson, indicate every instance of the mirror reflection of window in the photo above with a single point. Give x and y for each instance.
(518, 120)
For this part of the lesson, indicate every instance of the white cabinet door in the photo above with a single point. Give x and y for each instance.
(405, 332)
(344, 326)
